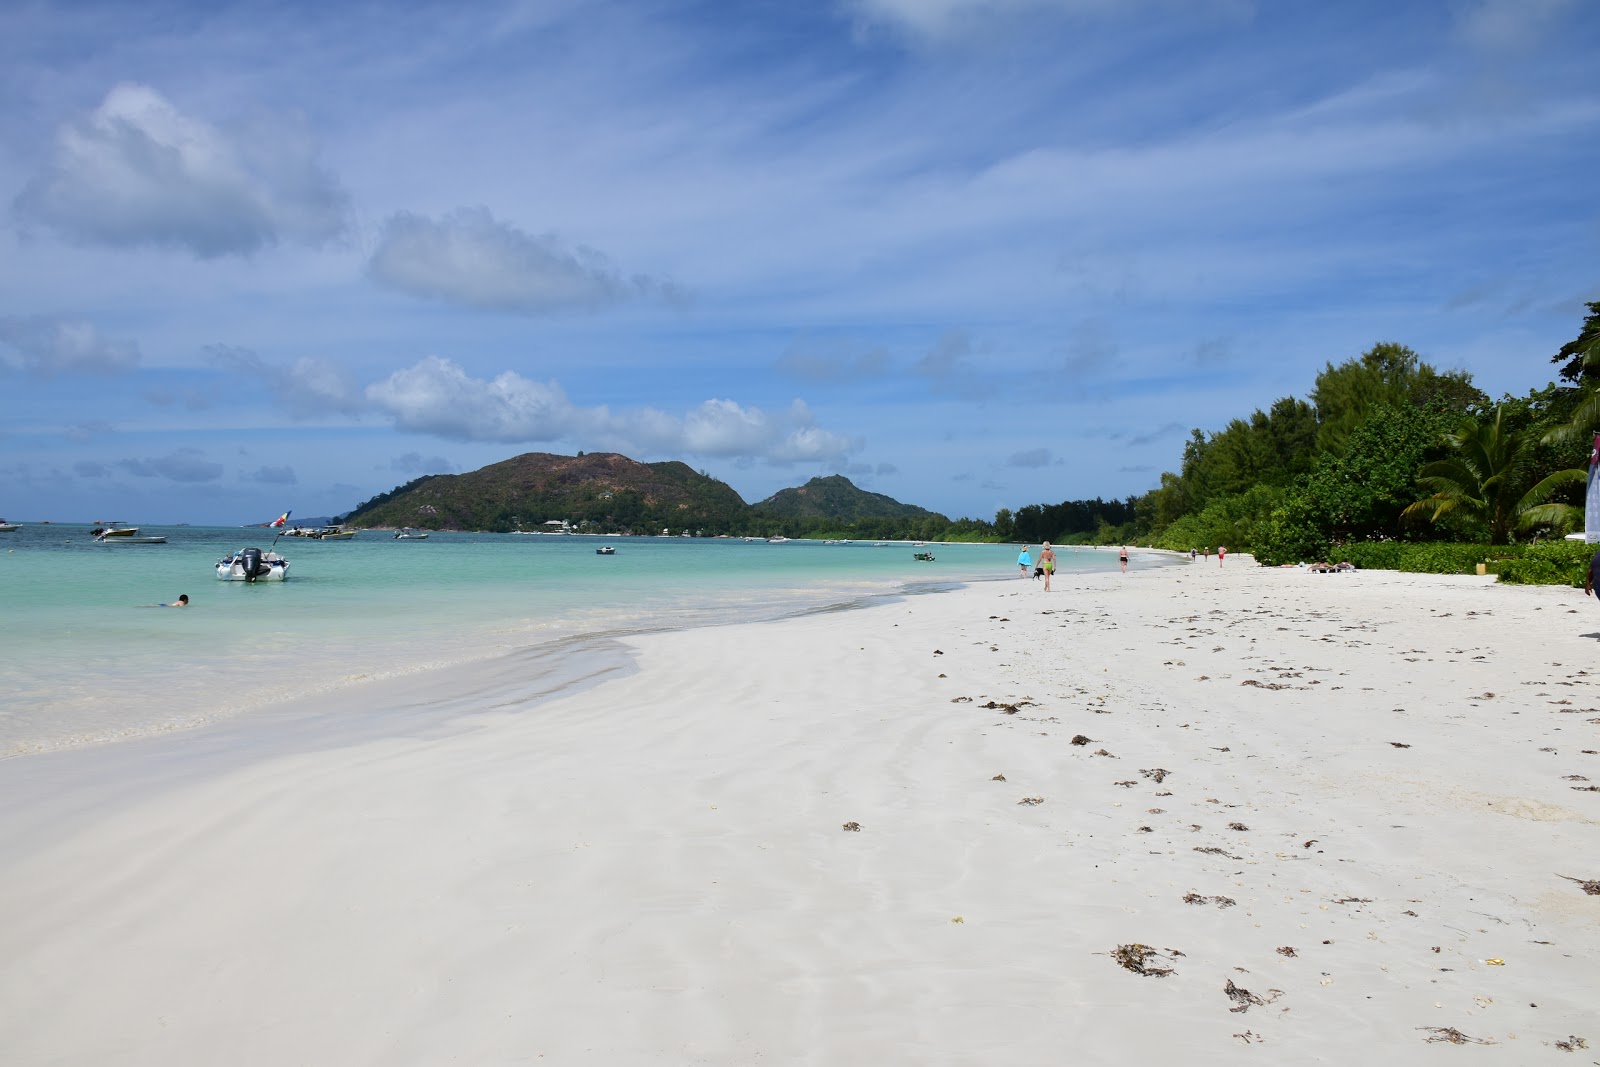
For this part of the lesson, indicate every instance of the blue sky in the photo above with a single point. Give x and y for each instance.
(971, 253)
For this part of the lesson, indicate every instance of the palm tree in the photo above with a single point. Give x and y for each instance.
(1586, 416)
(1487, 479)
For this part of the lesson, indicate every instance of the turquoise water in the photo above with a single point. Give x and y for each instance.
(88, 656)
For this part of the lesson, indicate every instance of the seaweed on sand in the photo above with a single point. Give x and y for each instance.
(1244, 1000)
(1157, 774)
(1137, 958)
(1450, 1035)
(1590, 886)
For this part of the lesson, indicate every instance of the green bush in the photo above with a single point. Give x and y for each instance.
(1544, 563)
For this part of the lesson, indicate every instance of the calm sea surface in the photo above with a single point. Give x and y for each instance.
(87, 655)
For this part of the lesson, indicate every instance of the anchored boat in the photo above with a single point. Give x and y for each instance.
(252, 565)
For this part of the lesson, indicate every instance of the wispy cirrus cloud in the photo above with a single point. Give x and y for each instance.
(138, 171)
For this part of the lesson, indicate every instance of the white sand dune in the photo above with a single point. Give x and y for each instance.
(655, 869)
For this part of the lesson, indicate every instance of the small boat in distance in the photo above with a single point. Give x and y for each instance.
(8, 527)
(779, 540)
(605, 550)
(409, 534)
(118, 533)
(252, 565)
(926, 557)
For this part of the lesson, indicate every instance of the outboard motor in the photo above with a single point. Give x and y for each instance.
(251, 563)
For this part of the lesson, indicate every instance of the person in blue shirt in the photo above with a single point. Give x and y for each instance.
(1024, 561)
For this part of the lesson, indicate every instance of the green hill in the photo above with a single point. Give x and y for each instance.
(610, 492)
(837, 498)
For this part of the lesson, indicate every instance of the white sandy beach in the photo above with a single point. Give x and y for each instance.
(655, 870)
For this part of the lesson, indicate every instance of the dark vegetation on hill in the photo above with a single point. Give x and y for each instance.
(602, 492)
(610, 493)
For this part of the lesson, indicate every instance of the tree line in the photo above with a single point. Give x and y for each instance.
(1384, 447)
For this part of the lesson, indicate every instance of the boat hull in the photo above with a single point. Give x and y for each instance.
(230, 569)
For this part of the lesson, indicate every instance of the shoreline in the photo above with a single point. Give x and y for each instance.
(1406, 757)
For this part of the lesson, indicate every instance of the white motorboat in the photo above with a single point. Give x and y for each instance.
(779, 540)
(334, 533)
(9, 527)
(605, 550)
(408, 534)
(117, 533)
(252, 565)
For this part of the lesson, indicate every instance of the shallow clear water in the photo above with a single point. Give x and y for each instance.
(88, 655)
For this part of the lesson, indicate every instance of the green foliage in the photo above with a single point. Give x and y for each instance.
(1542, 563)
(836, 497)
(1580, 357)
(1489, 477)
(1234, 521)
(1386, 376)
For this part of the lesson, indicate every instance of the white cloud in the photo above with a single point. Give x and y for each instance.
(46, 346)
(436, 396)
(471, 258)
(137, 171)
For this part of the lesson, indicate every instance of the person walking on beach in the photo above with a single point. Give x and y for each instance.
(1124, 559)
(1024, 561)
(1222, 554)
(1047, 560)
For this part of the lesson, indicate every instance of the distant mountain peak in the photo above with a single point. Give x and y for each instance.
(834, 496)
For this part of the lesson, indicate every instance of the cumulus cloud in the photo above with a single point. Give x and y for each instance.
(44, 347)
(306, 388)
(1032, 458)
(436, 396)
(137, 171)
(273, 476)
(182, 465)
(471, 258)
(416, 463)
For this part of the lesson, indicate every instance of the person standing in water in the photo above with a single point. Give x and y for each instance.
(1047, 560)
(1024, 561)
(1124, 559)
